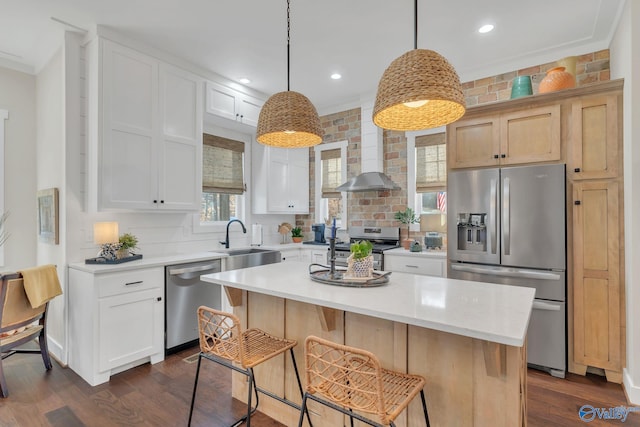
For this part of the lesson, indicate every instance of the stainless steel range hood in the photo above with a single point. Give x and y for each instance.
(369, 181)
(372, 178)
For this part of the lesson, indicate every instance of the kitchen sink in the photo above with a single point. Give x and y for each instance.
(251, 257)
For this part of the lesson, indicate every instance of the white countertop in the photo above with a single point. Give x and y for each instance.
(496, 313)
(147, 262)
(424, 253)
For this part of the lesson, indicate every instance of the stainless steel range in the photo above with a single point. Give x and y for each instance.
(383, 238)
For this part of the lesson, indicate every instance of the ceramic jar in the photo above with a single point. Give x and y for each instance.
(556, 79)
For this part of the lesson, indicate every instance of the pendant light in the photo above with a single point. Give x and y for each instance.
(288, 119)
(419, 90)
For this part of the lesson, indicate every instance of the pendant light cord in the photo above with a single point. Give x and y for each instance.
(415, 24)
(288, 43)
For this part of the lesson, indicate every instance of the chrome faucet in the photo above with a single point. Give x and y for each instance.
(226, 242)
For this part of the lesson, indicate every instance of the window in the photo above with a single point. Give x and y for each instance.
(331, 170)
(222, 178)
(427, 161)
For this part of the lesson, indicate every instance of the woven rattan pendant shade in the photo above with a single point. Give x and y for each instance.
(289, 120)
(418, 75)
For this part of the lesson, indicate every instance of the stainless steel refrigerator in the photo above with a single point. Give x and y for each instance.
(508, 226)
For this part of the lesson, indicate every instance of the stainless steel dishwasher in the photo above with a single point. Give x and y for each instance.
(184, 293)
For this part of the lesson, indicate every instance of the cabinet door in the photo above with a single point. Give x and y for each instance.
(180, 146)
(250, 109)
(278, 199)
(291, 255)
(128, 175)
(596, 281)
(299, 179)
(473, 142)
(222, 101)
(530, 136)
(593, 146)
(130, 327)
(416, 265)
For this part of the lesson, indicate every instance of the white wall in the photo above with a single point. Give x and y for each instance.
(625, 63)
(17, 95)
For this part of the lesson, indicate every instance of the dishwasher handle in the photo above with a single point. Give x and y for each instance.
(188, 272)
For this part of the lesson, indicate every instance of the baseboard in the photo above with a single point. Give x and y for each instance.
(632, 390)
(56, 352)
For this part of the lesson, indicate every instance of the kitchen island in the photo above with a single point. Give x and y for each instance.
(466, 338)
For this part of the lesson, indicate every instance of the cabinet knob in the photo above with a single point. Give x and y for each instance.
(577, 170)
(161, 201)
(577, 202)
(155, 201)
(503, 155)
(495, 156)
(159, 299)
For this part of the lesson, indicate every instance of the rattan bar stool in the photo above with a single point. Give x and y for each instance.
(223, 341)
(349, 379)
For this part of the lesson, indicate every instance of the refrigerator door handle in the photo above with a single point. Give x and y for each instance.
(493, 208)
(517, 273)
(506, 221)
(539, 305)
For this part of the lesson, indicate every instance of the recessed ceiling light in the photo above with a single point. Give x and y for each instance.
(336, 76)
(245, 81)
(485, 28)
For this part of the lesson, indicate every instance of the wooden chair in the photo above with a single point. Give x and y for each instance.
(18, 324)
(223, 341)
(349, 379)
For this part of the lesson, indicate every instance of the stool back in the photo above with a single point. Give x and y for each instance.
(347, 376)
(220, 334)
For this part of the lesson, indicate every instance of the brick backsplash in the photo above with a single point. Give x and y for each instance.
(378, 209)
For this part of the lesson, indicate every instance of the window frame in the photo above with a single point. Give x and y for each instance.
(243, 205)
(318, 149)
(415, 201)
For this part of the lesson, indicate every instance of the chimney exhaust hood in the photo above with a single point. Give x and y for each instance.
(372, 178)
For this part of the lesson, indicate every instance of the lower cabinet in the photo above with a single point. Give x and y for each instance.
(291, 255)
(116, 321)
(416, 264)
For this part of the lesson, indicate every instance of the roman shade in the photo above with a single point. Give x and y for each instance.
(431, 163)
(331, 173)
(222, 165)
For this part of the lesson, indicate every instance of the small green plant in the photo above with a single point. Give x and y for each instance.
(296, 232)
(128, 241)
(361, 249)
(407, 217)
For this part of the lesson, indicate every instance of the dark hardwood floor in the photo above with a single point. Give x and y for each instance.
(159, 395)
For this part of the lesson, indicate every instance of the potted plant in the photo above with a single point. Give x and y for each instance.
(127, 242)
(407, 217)
(296, 234)
(360, 262)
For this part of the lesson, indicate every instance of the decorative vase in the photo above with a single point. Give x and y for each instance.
(296, 239)
(556, 79)
(362, 267)
(521, 87)
(122, 253)
(569, 64)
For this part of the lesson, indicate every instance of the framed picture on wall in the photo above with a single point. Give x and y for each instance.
(48, 216)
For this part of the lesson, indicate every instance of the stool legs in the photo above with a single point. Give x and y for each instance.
(424, 408)
(195, 386)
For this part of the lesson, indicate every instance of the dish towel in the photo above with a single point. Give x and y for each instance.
(41, 284)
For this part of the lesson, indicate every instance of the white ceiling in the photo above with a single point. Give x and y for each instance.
(357, 38)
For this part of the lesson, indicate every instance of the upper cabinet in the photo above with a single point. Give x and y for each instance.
(148, 150)
(517, 137)
(593, 146)
(280, 180)
(231, 104)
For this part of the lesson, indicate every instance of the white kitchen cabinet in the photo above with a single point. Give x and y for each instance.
(148, 154)
(416, 264)
(116, 321)
(318, 256)
(231, 104)
(291, 255)
(280, 180)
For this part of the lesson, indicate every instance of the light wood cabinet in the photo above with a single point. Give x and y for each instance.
(596, 277)
(148, 153)
(593, 146)
(510, 138)
(116, 321)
